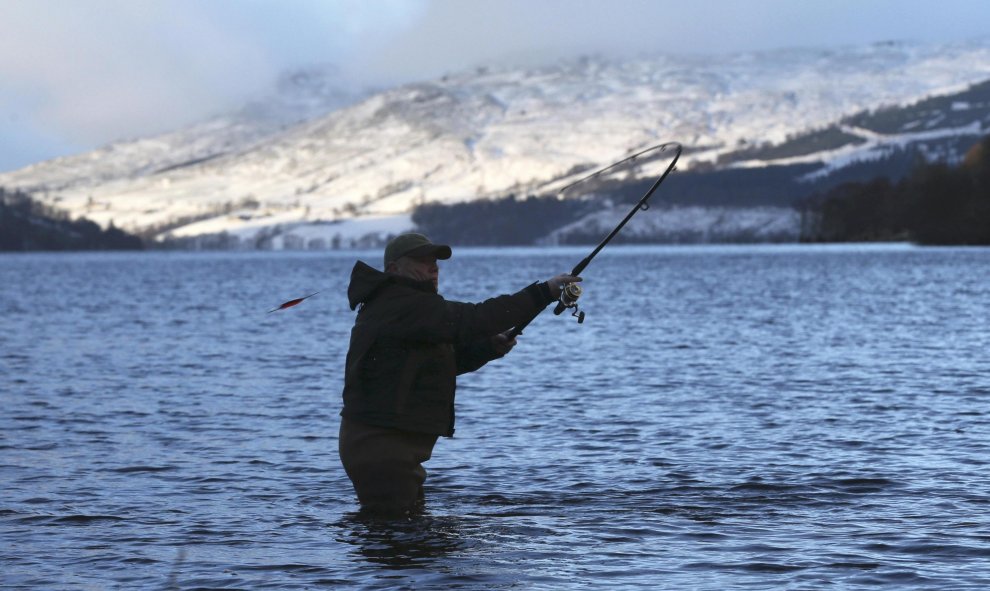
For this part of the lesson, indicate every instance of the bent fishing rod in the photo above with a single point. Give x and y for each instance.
(570, 292)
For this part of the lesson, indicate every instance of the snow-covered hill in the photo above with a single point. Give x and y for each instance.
(298, 172)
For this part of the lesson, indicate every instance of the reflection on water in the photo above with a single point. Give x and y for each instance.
(413, 542)
(725, 418)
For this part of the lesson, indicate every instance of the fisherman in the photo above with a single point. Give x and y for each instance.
(407, 346)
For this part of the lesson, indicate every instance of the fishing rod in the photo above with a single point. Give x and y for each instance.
(570, 292)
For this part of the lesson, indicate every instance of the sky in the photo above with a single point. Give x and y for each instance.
(78, 74)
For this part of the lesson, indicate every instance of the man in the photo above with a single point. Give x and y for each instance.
(407, 346)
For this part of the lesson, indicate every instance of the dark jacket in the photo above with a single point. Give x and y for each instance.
(408, 345)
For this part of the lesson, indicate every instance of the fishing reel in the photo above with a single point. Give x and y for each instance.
(569, 295)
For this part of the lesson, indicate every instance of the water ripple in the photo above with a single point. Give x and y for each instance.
(724, 419)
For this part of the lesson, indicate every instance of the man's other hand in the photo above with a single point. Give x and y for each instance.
(503, 343)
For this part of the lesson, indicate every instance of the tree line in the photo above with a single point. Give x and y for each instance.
(936, 204)
(26, 224)
(508, 221)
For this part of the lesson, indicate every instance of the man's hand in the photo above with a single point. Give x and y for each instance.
(558, 282)
(502, 343)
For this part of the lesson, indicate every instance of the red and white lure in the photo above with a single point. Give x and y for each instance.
(294, 302)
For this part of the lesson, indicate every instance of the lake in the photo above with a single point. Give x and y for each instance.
(727, 417)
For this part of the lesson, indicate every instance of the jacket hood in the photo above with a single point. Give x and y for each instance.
(365, 280)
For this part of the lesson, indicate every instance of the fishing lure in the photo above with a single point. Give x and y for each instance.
(294, 302)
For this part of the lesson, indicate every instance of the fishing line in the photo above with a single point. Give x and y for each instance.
(571, 292)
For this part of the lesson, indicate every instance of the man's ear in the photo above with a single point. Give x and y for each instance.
(392, 267)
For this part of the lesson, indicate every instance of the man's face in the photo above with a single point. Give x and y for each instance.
(420, 268)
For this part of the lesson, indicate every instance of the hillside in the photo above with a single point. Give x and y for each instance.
(328, 168)
(739, 201)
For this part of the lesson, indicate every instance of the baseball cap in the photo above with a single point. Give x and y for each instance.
(416, 245)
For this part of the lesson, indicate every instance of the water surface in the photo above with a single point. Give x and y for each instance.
(726, 418)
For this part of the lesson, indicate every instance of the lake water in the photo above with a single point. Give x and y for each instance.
(737, 417)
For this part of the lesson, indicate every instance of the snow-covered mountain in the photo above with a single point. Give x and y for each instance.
(314, 167)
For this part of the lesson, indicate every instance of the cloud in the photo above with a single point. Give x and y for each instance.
(94, 71)
(86, 72)
(450, 35)
(100, 69)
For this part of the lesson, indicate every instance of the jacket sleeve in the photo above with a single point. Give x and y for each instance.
(474, 356)
(429, 317)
